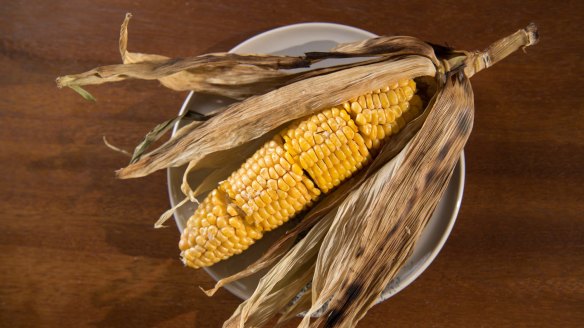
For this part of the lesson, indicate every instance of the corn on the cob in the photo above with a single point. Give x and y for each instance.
(288, 173)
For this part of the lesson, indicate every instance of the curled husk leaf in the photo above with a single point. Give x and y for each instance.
(391, 213)
(258, 115)
(234, 75)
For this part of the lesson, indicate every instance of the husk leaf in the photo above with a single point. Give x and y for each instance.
(233, 75)
(279, 286)
(392, 213)
(258, 115)
(159, 130)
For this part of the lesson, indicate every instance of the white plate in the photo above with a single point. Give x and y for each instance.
(295, 40)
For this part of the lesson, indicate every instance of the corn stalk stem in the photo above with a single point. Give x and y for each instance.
(477, 61)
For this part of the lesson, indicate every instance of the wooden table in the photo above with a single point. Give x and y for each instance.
(77, 247)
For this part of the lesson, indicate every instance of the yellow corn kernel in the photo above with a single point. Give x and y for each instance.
(392, 96)
(376, 101)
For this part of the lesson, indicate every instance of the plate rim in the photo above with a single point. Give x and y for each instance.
(461, 167)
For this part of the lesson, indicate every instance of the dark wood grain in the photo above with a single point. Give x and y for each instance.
(77, 247)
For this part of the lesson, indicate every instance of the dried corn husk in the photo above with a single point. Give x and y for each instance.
(233, 75)
(393, 212)
(360, 235)
(261, 114)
